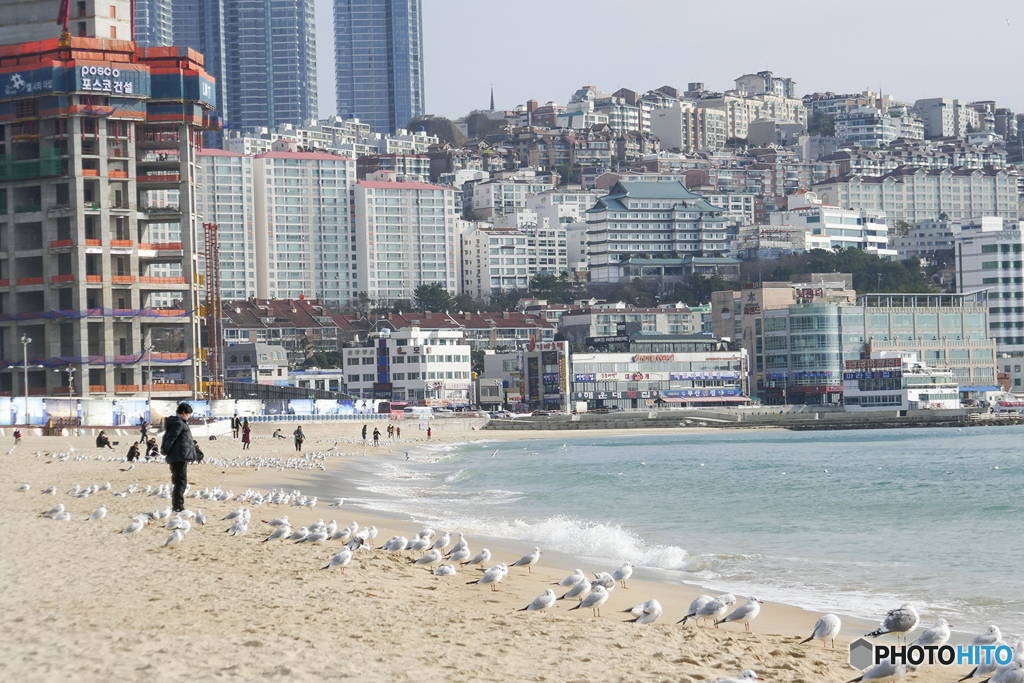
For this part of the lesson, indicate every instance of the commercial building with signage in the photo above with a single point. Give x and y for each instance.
(805, 346)
(891, 381)
(421, 367)
(544, 376)
(660, 370)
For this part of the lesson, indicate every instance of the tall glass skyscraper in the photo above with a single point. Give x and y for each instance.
(378, 53)
(262, 53)
(153, 25)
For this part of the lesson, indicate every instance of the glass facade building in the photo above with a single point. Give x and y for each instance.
(378, 56)
(262, 53)
(153, 24)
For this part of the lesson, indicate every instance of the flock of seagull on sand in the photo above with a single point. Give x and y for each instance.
(589, 593)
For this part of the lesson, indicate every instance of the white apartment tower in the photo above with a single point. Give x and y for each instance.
(405, 237)
(303, 237)
(228, 200)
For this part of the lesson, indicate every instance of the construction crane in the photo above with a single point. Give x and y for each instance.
(214, 338)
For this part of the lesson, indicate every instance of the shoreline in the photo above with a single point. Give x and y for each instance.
(241, 608)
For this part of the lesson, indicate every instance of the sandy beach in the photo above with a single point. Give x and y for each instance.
(84, 603)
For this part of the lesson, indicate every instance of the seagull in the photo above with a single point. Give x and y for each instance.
(699, 602)
(581, 588)
(745, 675)
(494, 453)
(174, 539)
(445, 570)
(480, 558)
(340, 560)
(98, 513)
(280, 521)
(714, 609)
(51, 490)
(594, 600)
(299, 535)
(493, 576)
(645, 613)
(604, 579)
(430, 557)
(898, 621)
(623, 573)
(936, 636)
(459, 555)
(528, 560)
(826, 628)
(232, 515)
(541, 602)
(54, 511)
(280, 532)
(990, 637)
(746, 612)
(572, 579)
(134, 528)
(883, 672)
(239, 528)
(24, 487)
(200, 518)
(459, 545)
(442, 543)
(62, 517)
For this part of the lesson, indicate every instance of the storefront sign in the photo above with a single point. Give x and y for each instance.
(715, 374)
(700, 393)
(586, 377)
(653, 358)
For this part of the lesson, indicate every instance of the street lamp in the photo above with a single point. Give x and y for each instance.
(71, 378)
(148, 347)
(25, 341)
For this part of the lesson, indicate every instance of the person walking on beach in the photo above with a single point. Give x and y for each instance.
(428, 433)
(299, 437)
(235, 426)
(376, 437)
(17, 437)
(180, 449)
(144, 427)
(364, 435)
(398, 432)
(246, 434)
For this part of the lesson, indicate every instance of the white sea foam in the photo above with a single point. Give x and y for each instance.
(581, 537)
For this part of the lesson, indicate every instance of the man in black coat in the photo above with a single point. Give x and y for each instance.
(180, 449)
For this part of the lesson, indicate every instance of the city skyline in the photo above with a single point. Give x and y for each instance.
(459, 73)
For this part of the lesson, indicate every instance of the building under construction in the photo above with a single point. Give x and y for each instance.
(100, 242)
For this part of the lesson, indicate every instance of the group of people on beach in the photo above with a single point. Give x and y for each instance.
(242, 425)
(394, 432)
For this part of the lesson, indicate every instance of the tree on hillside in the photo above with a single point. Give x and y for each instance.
(444, 129)
(870, 272)
(432, 297)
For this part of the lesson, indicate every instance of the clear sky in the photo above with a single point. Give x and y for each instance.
(546, 49)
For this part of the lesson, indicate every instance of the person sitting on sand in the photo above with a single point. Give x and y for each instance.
(152, 450)
(277, 434)
(102, 441)
(17, 436)
(133, 452)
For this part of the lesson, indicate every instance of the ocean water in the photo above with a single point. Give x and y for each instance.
(855, 522)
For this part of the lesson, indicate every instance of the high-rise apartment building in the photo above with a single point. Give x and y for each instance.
(154, 26)
(227, 198)
(263, 55)
(378, 55)
(405, 238)
(304, 245)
